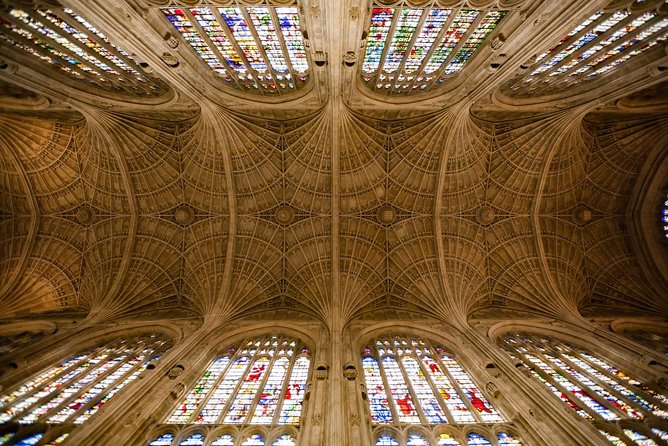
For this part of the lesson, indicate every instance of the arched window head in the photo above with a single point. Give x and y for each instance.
(70, 47)
(599, 44)
(193, 440)
(477, 440)
(446, 440)
(414, 49)
(417, 440)
(506, 439)
(253, 440)
(224, 440)
(412, 381)
(163, 440)
(386, 440)
(261, 381)
(259, 49)
(284, 440)
(77, 388)
(589, 385)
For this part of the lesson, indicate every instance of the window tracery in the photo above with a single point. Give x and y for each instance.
(590, 386)
(596, 46)
(66, 41)
(470, 439)
(414, 49)
(260, 48)
(76, 389)
(260, 382)
(411, 381)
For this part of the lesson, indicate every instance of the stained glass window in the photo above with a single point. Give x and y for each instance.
(412, 381)
(447, 440)
(29, 441)
(262, 381)
(590, 386)
(258, 48)
(75, 389)
(413, 49)
(601, 42)
(66, 41)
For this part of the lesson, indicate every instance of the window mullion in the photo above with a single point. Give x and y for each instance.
(437, 42)
(85, 388)
(242, 379)
(286, 54)
(38, 49)
(605, 385)
(621, 24)
(66, 35)
(260, 389)
(386, 385)
(43, 400)
(628, 37)
(573, 39)
(433, 387)
(108, 47)
(637, 390)
(474, 25)
(202, 405)
(396, 16)
(409, 47)
(57, 392)
(591, 392)
(203, 34)
(455, 384)
(286, 383)
(111, 385)
(40, 386)
(547, 377)
(233, 41)
(416, 401)
(258, 43)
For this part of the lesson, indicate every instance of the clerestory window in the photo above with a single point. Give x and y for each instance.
(613, 400)
(259, 49)
(415, 49)
(68, 44)
(71, 392)
(259, 382)
(411, 381)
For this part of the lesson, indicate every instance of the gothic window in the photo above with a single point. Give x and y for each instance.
(413, 49)
(473, 438)
(599, 44)
(412, 381)
(75, 389)
(262, 381)
(590, 386)
(70, 45)
(257, 48)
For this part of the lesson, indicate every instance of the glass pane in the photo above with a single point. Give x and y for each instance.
(284, 440)
(224, 440)
(162, 440)
(477, 439)
(386, 440)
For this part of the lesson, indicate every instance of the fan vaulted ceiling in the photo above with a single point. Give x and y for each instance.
(329, 160)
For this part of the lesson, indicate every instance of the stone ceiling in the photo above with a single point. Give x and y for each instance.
(332, 203)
